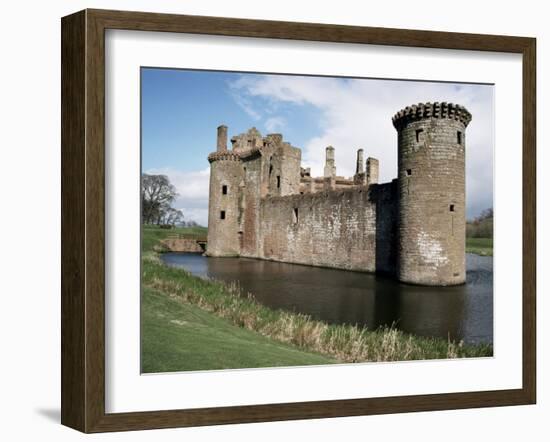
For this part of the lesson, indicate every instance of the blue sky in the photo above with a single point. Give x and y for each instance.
(181, 110)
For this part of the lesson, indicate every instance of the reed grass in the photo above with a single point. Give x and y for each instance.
(346, 343)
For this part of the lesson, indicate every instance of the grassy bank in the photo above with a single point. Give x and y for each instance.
(151, 234)
(480, 246)
(178, 336)
(189, 324)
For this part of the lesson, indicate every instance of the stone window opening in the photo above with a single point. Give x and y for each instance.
(222, 214)
(295, 215)
(409, 172)
(270, 169)
(278, 181)
(418, 135)
(452, 208)
(459, 137)
(224, 190)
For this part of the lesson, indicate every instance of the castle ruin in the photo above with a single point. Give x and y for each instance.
(263, 204)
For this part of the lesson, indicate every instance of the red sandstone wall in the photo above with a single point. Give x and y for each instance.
(332, 229)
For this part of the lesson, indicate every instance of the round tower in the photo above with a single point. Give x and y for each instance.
(226, 176)
(431, 205)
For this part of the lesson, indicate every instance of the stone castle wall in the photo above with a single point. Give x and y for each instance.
(339, 229)
(251, 206)
(385, 198)
(329, 229)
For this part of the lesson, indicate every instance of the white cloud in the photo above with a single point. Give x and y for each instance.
(357, 114)
(243, 102)
(197, 214)
(192, 188)
(273, 124)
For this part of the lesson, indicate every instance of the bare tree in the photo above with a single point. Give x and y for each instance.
(481, 226)
(485, 214)
(172, 217)
(157, 195)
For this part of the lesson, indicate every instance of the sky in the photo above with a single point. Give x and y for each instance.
(181, 109)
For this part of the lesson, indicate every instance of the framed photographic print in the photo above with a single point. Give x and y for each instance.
(270, 220)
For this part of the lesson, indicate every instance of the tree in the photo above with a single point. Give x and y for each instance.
(485, 214)
(157, 196)
(172, 217)
(481, 226)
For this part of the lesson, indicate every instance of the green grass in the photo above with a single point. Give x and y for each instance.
(480, 246)
(178, 336)
(189, 323)
(152, 234)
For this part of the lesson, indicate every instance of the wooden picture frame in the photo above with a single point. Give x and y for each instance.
(83, 219)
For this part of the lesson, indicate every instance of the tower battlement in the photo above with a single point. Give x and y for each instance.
(223, 156)
(431, 110)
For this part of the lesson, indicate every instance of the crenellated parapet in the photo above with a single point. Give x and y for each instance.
(223, 156)
(431, 110)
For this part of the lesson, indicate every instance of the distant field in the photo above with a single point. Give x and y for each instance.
(480, 246)
(153, 234)
(191, 230)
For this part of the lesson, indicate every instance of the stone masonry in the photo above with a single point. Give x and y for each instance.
(263, 204)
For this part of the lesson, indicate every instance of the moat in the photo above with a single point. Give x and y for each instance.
(462, 312)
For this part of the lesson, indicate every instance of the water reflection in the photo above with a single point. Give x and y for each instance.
(338, 296)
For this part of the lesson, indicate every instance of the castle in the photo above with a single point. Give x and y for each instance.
(263, 204)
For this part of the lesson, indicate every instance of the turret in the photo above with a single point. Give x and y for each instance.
(224, 212)
(431, 196)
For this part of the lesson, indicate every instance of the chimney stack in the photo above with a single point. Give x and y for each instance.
(360, 161)
(222, 139)
(372, 170)
(330, 167)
